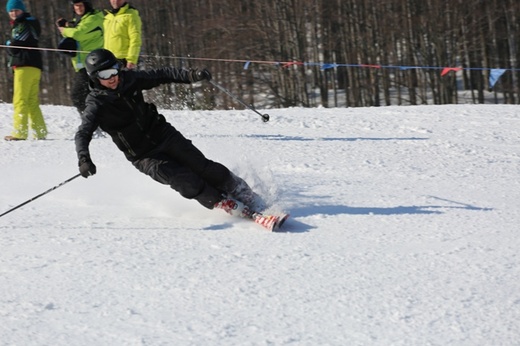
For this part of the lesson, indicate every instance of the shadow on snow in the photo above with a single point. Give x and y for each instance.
(342, 139)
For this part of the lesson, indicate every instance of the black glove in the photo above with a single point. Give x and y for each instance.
(86, 167)
(62, 22)
(198, 75)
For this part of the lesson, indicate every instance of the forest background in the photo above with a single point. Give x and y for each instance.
(310, 53)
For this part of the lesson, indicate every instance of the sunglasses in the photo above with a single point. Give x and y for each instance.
(108, 73)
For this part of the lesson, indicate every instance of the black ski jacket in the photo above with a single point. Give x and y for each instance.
(25, 32)
(134, 125)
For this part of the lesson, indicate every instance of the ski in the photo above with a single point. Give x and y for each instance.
(272, 223)
(236, 208)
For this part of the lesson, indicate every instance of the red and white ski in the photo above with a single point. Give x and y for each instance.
(270, 222)
(236, 208)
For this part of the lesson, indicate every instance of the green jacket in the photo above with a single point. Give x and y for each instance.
(88, 33)
(123, 33)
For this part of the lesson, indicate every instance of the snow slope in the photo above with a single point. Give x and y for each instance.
(404, 231)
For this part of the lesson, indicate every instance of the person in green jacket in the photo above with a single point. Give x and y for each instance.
(27, 69)
(122, 28)
(85, 33)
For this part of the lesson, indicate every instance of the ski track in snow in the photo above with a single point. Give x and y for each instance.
(403, 231)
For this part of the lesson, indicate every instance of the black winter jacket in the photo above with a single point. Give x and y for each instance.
(134, 125)
(25, 32)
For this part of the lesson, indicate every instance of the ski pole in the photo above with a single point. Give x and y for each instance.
(41, 194)
(265, 117)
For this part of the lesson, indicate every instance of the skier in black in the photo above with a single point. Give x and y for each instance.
(153, 145)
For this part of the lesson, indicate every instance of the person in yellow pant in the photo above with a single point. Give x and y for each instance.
(27, 68)
(26, 103)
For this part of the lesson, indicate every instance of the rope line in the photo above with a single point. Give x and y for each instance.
(495, 74)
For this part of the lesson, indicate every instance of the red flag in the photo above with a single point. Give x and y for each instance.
(373, 66)
(446, 70)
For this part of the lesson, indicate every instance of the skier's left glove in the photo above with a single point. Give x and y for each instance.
(86, 167)
(199, 75)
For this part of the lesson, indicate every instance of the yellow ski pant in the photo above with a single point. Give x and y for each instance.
(26, 103)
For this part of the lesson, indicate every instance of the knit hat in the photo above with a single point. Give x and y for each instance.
(15, 5)
(86, 3)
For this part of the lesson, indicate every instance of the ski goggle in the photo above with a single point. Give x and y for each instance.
(108, 73)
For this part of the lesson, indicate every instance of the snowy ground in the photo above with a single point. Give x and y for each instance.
(404, 231)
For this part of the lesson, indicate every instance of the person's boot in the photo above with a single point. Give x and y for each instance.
(13, 138)
(234, 207)
(240, 190)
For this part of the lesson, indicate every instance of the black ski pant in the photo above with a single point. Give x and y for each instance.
(178, 163)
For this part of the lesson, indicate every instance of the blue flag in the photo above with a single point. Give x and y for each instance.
(495, 74)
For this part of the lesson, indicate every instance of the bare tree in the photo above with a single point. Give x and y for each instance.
(283, 53)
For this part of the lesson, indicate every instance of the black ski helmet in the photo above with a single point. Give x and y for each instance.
(99, 60)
